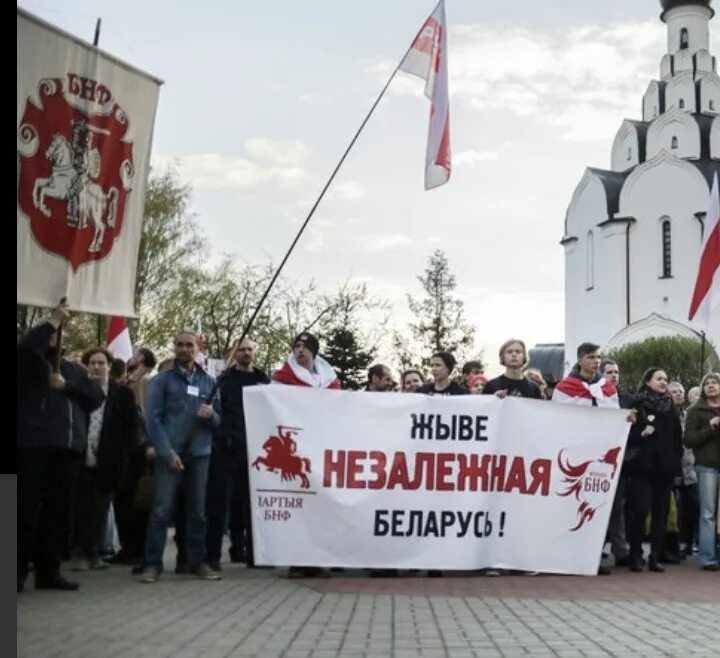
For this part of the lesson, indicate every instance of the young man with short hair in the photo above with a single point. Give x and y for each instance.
(513, 383)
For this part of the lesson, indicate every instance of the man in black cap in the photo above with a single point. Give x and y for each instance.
(441, 365)
(304, 367)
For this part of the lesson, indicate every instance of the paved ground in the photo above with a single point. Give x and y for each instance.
(262, 613)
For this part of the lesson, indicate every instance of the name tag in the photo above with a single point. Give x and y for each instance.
(193, 390)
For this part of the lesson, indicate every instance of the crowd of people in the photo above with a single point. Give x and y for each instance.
(104, 444)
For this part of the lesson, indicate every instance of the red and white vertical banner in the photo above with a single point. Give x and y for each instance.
(705, 302)
(385, 480)
(118, 338)
(427, 59)
(84, 131)
(200, 355)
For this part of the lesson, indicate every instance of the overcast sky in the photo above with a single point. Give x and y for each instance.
(261, 98)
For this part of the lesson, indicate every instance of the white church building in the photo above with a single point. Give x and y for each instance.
(633, 232)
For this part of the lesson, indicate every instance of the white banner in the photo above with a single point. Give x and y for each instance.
(382, 480)
(84, 132)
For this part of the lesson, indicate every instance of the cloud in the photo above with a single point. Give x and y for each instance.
(383, 241)
(314, 99)
(289, 152)
(348, 191)
(570, 79)
(473, 156)
(215, 171)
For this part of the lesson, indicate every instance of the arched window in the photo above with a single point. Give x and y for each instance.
(684, 40)
(674, 142)
(681, 103)
(590, 262)
(711, 104)
(629, 155)
(666, 249)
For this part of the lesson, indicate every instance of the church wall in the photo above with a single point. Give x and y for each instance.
(695, 20)
(652, 106)
(625, 150)
(710, 93)
(674, 191)
(592, 306)
(680, 93)
(715, 139)
(678, 134)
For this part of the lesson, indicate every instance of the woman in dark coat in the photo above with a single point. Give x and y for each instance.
(654, 453)
(112, 430)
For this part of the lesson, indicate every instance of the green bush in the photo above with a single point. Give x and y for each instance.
(679, 356)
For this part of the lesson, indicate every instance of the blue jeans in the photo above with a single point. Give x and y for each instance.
(708, 489)
(167, 481)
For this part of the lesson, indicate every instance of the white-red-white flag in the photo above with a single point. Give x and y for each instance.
(118, 338)
(200, 356)
(427, 59)
(706, 296)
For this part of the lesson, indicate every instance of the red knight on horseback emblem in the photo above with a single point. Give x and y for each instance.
(280, 456)
(75, 168)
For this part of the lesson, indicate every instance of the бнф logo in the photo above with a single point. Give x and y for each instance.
(591, 482)
(280, 456)
(75, 168)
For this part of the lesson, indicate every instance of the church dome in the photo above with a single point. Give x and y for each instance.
(667, 5)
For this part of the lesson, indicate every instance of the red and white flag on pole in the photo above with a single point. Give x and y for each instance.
(118, 338)
(427, 59)
(706, 296)
(200, 357)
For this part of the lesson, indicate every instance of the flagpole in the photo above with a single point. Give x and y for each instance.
(702, 355)
(249, 325)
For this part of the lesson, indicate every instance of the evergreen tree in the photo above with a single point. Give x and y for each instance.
(350, 361)
(440, 324)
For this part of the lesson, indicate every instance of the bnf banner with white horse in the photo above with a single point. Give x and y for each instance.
(84, 132)
(382, 480)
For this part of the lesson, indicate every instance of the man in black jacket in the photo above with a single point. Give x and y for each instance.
(228, 478)
(52, 419)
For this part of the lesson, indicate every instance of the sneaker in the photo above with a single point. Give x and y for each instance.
(622, 561)
(80, 565)
(150, 575)
(204, 572)
(711, 567)
(491, 573)
(215, 566)
(98, 565)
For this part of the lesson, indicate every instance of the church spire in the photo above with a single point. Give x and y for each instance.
(687, 24)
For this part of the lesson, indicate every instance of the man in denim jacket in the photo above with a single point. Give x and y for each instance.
(180, 426)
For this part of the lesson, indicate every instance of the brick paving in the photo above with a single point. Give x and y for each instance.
(263, 613)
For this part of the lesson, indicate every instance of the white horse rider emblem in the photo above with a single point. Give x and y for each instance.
(71, 180)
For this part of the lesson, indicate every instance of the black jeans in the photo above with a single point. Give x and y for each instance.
(91, 511)
(648, 493)
(47, 479)
(227, 504)
(131, 522)
(689, 512)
